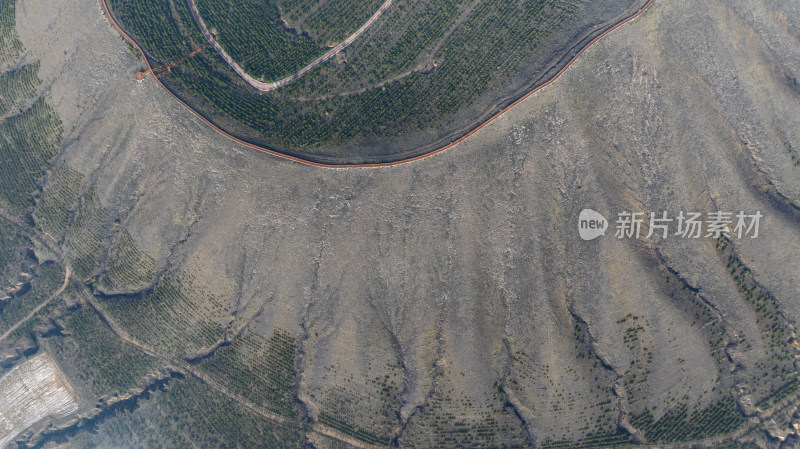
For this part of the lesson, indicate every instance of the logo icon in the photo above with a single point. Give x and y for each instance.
(591, 224)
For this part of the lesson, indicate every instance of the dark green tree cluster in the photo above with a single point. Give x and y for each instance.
(425, 67)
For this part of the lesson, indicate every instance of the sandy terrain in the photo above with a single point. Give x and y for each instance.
(30, 392)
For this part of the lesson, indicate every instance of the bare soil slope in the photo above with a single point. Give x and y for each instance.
(450, 302)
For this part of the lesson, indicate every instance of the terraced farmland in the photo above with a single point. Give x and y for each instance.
(49, 278)
(258, 368)
(28, 141)
(10, 46)
(422, 75)
(179, 315)
(95, 357)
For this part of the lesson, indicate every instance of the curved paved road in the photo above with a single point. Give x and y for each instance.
(300, 160)
(266, 87)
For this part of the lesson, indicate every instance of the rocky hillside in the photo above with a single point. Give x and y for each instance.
(448, 302)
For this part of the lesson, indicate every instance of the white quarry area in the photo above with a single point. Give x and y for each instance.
(31, 391)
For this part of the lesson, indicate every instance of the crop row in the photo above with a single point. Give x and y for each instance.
(388, 50)
(98, 357)
(86, 235)
(677, 425)
(28, 141)
(594, 441)
(422, 34)
(260, 370)
(352, 430)
(177, 316)
(10, 45)
(335, 20)
(129, 269)
(476, 56)
(583, 391)
(153, 24)
(255, 37)
(182, 413)
(16, 85)
(366, 411)
(189, 414)
(362, 406)
(492, 36)
(55, 204)
(454, 420)
(790, 388)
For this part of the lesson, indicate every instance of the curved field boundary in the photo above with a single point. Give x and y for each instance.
(373, 164)
(266, 87)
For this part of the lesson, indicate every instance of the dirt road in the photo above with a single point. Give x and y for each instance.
(67, 273)
(266, 87)
(303, 161)
(172, 362)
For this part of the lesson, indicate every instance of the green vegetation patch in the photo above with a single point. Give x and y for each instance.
(185, 413)
(253, 34)
(737, 445)
(425, 68)
(91, 353)
(353, 430)
(10, 45)
(678, 425)
(334, 20)
(261, 41)
(179, 315)
(86, 235)
(13, 245)
(47, 278)
(262, 370)
(620, 438)
(55, 204)
(28, 141)
(16, 85)
(129, 268)
(23, 341)
(30, 130)
(154, 25)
